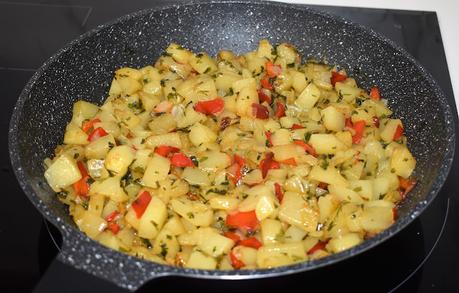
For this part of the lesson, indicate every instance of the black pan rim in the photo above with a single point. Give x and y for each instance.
(244, 274)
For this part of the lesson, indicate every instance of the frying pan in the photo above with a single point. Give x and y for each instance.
(83, 70)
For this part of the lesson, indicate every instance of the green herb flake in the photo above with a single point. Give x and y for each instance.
(190, 215)
(163, 250)
(307, 136)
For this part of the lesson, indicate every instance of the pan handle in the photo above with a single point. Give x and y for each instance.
(83, 264)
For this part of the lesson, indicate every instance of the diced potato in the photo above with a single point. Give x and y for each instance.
(179, 53)
(281, 137)
(96, 204)
(333, 119)
(91, 224)
(194, 212)
(275, 255)
(201, 134)
(308, 97)
(162, 124)
(345, 137)
(326, 143)
(174, 226)
(345, 242)
(348, 92)
(296, 211)
(261, 199)
(195, 176)
(152, 219)
(99, 148)
(287, 52)
(170, 139)
(265, 49)
(380, 187)
(388, 129)
(198, 260)
(238, 85)
(96, 169)
(345, 194)
(75, 135)
(299, 81)
(141, 159)
(294, 234)
(330, 176)
(212, 243)
(402, 162)
(377, 216)
(286, 151)
(245, 98)
(111, 188)
(271, 231)
(166, 245)
(203, 63)
(157, 169)
(83, 110)
(327, 206)
(62, 173)
(364, 188)
(212, 161)
(223, 202)
(118, 159)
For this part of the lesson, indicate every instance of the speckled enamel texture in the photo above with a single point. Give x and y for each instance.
(83, 70)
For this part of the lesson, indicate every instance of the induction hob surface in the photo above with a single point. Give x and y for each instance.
(421, 258)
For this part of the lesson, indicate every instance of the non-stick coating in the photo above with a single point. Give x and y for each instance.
(83, 70)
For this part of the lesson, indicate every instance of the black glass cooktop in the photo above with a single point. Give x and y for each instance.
(422, 258)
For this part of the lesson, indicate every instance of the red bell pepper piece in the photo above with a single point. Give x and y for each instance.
(359, 128)
(280, 109)
(263, 97)
(268, 163)
(210, 107)
(289, 161)
(235, 170)
(269, 138)
(307, 147)
(242, 220)
(114, 227)
(297, 126)
(405, 186)
(337, 77)
(112, 216)
(398, 133)
(260, 111)
(141, 203)
(319, 245)
(394, 213)
(165, 150)
(348, 123)
(273, 70)
(323, 185)
(97, 133)
(233, 236)
(81, 187)
(235, 262)
(278, 191)
(88, 126)
(376, 121)
(374, 94)
(181, 160)
(266, 84)
(250, 242)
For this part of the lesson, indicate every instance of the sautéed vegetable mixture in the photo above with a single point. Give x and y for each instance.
(237, 162)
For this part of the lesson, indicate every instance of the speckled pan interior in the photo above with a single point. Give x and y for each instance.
(84, 68)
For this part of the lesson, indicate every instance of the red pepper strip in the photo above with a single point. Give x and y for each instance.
(81, 187)
(266, 84)
(289, 161)
(307, 147)
(141, 203)
(112, 216)
(359, 127)
(242, 220)
(165, 150)
(374, 94)
(268, 163)
(97, 133)
(395, 213)
(398, 133)
(337, 77)
(405, 186)
(250, 242)
(88, 126)
(278, 191)
(180, 160)
(210, 107)
(233, 236)
(348, 123)
(319, 245)
(297, 126)
(280, 109)
(114, 227)
(239, 160)
(235, 262)
(376, 121)
(269, 138)
(273, 70)
(260, 111)
(263, 97)
(234, 172)
(323, 185)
